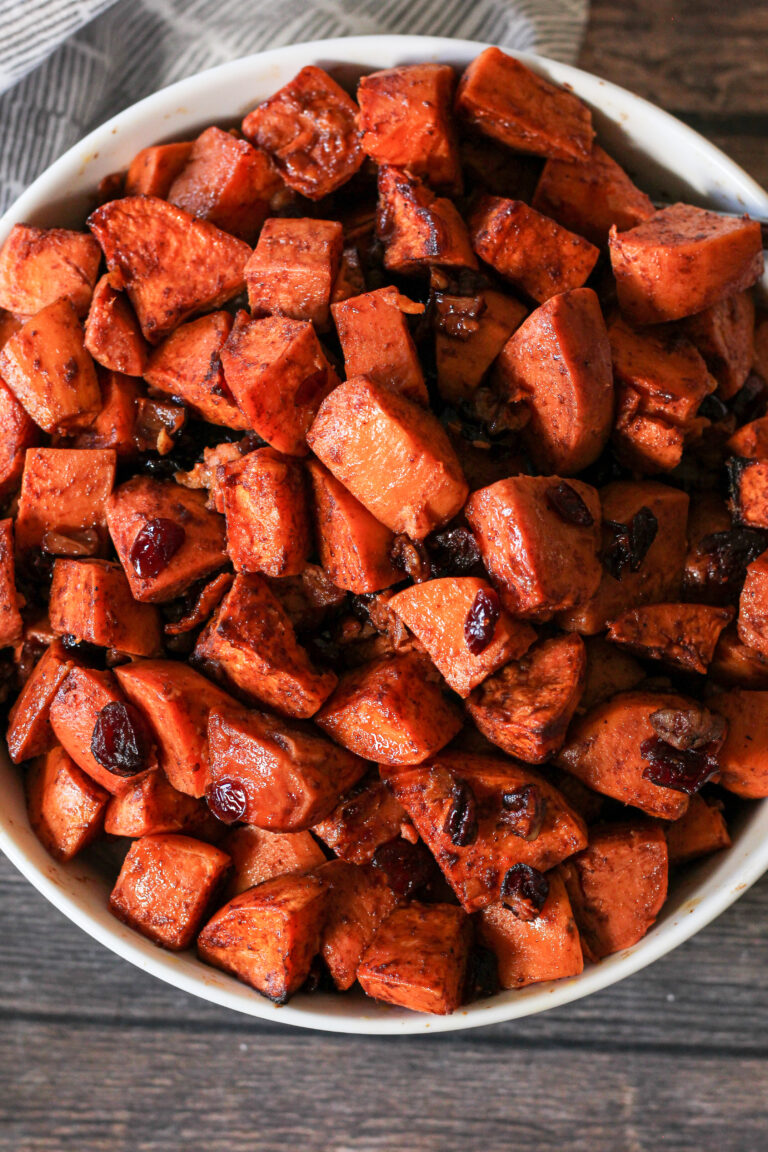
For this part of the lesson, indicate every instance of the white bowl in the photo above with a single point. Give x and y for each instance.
(668, 159)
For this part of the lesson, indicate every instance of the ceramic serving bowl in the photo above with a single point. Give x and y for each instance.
(668, 160)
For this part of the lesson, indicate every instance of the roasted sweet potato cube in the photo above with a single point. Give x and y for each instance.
(115, 424)
(659, 574)
(465, 351)
(534, 253)
(749, 491)
(188, 364)
(91, 600)
(251, 644)
(265, 503)
(743, 758)
(394, 457)
(133, 510)
(171, 264)
(309, 128)
(165, 886)
(153, 170)
(389, 711)
(258, 855)
(41, 265)
(753, 606)
(10, 617)
(750, 442)
(46, 366)
(268, 936)
(736, 664)
(29, 727)
(724, 335)
(66, 808)
(535, 567)
(527, 706)
(617, 886)
(355, 548)
(293, 269)
(151, 805)
(112, 333)
(418, 959)
(683, 635)
(365, 818)
(458, 802)
(529, 951)
(278, 374)
(454, 615)
(376, 342)
(608, 671)
(683, 260)
(63, 499)
(506, 100)
(418, 228)
(359, 900)
(558, 363)
(19, 433)
(700, 831)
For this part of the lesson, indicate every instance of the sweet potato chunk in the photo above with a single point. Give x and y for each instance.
(449, 614)
(743, 758)
(153, 170)
(389, 711)
(534, 567)
(736, 664)
(529, 951)
(265, 503)
(418, 228)
(309, 128)
(506, 100)
(418, 959)
(29, 727)
(683, 260)
(165, 886)
(116, 422)
(376, 342)
(251, 644)
(458, 802)
(258, 855)
(10, 616)
(279, 375)
(617, 886)
(171, 264)
(464, 351)
(394, 457)
(753, 606)
(66, 808)
(724, 335)
(91, 600)
(63, 499)
(683, 635)
(41, 265)
(558, 363)
(533, 252)
(133, 510)
(405, 119)
(527, 706)
(608, 671)
(364, 819)
(749, 492)
(699, 831)
(750, 442)
(151, 805)
(293, 269)
(19, 433)
(188, 364)
(112, 333)
(46, 366)
(359, 900)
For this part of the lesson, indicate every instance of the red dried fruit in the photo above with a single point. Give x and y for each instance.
(227, 800)
(628, 544)
(568, 505)
(524, 891)
(155, 546)
(408, 867)
(728, 554)
(522, 811)
(454, 551)
(481, 621)
(121, 740)
(642, 532)
(682, 770)
(461, 820)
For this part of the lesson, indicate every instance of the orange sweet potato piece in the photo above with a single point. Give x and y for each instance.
(736, 664)
(751, 440)
(250, 643)
(753, 606)
(608, 671)
(558, 363)
(41, 265)
(293, 269)
(405, 119)
(153, 170)
(376, 342)
(269, 935)
(743, 758)
(265, 503)
(749, 492)
(527, 706)
(46, 366)
(418, 959)
(64, 493)
(699, 831)
(533, 252)
(389, 711)
(309, 128)
(29, 727)
(10, 616)
(394, 457)
(115, 424)
(150, 805)
(279, 375)
(534, 568)
(258, 855)
(438, 613)
(171, 264)
(359, 900)
(418, 228)
(91, 600)
(465, 351)
(165, 886)
(617, 886)
(143, 499)
(683, 260)
(477, 784)
(188, 364)
(724, 335)
(66, 808)
(529, 951)
(19, 433)
(112, 333)
(365, 818)
(509, 102)
(683, 635)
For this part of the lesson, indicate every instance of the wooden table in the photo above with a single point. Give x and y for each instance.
(96, 1056)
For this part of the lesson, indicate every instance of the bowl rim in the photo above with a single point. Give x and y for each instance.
(58, 883)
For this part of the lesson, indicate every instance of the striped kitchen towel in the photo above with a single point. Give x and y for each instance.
(68, 65)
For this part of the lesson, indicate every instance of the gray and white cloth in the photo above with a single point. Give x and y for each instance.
(68, 65)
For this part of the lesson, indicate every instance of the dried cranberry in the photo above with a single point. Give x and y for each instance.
(481, 621)
(728, 554)
(407, 867)
(686, 728)
(627, 545)
(411, 557)
(683, 770)
(524, 891)
(155, 546)
(455, 550)
(227, 800)
(482, 974)
(461, 819)
(121, 740)
(522, 811)
(566, 502)
(643, 528)
(616, 551)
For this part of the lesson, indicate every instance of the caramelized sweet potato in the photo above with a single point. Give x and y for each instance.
(750, 442)
(115, 424)
(91, 600)
(63, 499)
(265, 503)
(258, 855)
(683, 260)
(112, 333)
(359, 899)
(293, 269)
(364, 819)
(66, 808)
(464, 351)
(151, 805)
(418, 228)
(188, 364)
(735, 664)
(153, 170)
(683, 635)
(753, 606)
(10, 617)
(700, 831)
(29, 727)
(743, 758)
(376, 342)
(608, 671)
(749, 492)
(394, 457)
(165, 886)
(41, 265)
(19, 433)
(724, 335)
